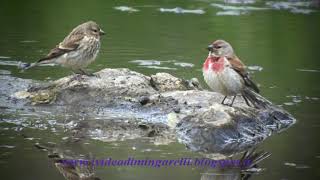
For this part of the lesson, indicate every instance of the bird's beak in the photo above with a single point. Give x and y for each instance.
(102, 32)
(210, 48)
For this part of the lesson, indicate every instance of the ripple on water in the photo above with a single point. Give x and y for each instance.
(255, 68)
(18, 63)
(4, 72)
(243, 8)
(164, 65)
(297, 166)
(295, 99)
(231, 13)
(160, 67)
(179, 10)
(308, 70)
(240, 9)
(32, 138)
(9, 63)
(295, 7)
(151, 150)
(7, 146)
(29, 41)
(287, 5)
(312, 98)
(4, 57)
(240, 2)
(146, 62)
(183, 64)
(236, 10)
(302, 166)
(301, 11)
(126, 9)
(290, 164)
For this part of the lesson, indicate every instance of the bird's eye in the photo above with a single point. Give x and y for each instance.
(95, 30)
(218, 47)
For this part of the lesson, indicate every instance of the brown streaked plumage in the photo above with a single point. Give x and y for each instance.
(77, 50)
(225, 73)
(67, 45)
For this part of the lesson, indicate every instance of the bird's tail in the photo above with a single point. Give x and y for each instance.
(256, 99)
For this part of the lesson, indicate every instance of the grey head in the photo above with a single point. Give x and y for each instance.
(221, 48)
(89, 28)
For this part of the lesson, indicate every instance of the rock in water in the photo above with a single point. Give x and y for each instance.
(168, 107)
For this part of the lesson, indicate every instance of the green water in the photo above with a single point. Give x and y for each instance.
(283, 43)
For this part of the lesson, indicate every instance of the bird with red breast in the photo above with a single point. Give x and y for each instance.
(224, 73)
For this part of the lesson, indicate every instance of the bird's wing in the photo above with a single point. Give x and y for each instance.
(240, 68)
(70, 43)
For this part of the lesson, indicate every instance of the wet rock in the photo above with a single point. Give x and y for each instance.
(194, 84)
(144, 100)
(176, 109)
(119, 130)
(10, 86)
(111, 84)
(228, 130)
(166, 82)
(123, 104)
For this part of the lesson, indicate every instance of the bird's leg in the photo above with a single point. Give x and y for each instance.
(84, 72)
(246, 100)
(77, 75)
(234, 97)
(225, 97)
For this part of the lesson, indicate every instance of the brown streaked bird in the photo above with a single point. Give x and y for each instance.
(224, 73)
(79, 49)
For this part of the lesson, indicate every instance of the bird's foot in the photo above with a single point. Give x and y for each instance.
(223, 103)
(76, 77)
(228, 104)
(83, 72)
(93, 75)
